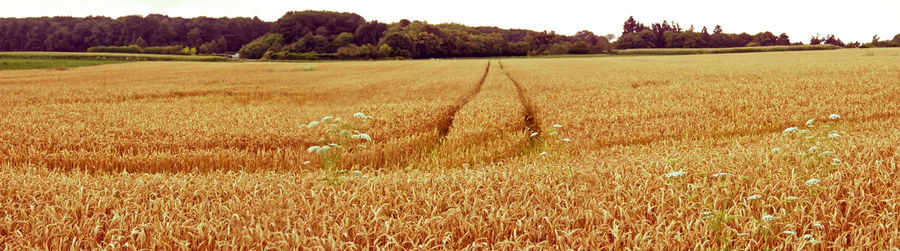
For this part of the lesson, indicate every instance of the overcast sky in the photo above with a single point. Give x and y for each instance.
(801, 19)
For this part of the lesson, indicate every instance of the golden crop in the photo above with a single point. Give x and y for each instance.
(660, 152)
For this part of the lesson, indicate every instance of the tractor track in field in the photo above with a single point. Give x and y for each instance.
(447, 122)
(531, 123)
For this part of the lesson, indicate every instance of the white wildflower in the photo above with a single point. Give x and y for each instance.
(834, 135)
(807, 237)
(313, 149)
(312, 124)
(567, 140)
(818, 225)
(790, 130)
(334, 145)
(533, 134)
(789, 233)
(360, 115)
(553, 133)
(791, 198)
(335, 120)
(776, 150)
(810, 122)
(675, 174)
(836, 161)
(557, 126)
(834, 116)
(812, 182)
(306, 162)
(743, 234)
(716, 175)
(542, 153)
(326, 119)
(753, 197)
(767, 217)
(813, 148)
(364, 136)
(357, 172)
(705, 214)
(322, 150)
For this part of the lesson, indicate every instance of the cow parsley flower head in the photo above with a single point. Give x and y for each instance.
(364, 136)
(790, 130)
(776, 150)
(754, 197)
(312, 124)
(810, 122)
(818, 225)
(836, 161)
(716, 175)
(743, 234)
(322, 150)
(326, 119)
(807, 237)
(767, 217)
(360, 115)
(533, 134)
(789, 232)
(675, 174)
(791, 198)
(812, 182)
(567, 140)
(306, 162)
(557, 126)
(834, 116)
(834, 135)
(313, 149)
(542, 153)
(813, 148)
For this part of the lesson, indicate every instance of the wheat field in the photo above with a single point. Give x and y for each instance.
(786, 150)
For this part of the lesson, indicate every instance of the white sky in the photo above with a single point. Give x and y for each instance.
(801, 19)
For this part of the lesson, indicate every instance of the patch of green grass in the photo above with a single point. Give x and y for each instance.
(59, 64)
(107, 56)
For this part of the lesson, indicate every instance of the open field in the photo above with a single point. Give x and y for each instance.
(677, 152)
(106, 56)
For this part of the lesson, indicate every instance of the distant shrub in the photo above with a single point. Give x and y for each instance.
(116, 49)
(166, 50)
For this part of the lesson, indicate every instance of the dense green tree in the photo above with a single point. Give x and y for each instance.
(259, 47)
(296, 24)
(369, 33)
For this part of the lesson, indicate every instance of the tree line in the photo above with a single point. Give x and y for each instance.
(214, 35)
(672, 35)
(318, 34)
(335, 35)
